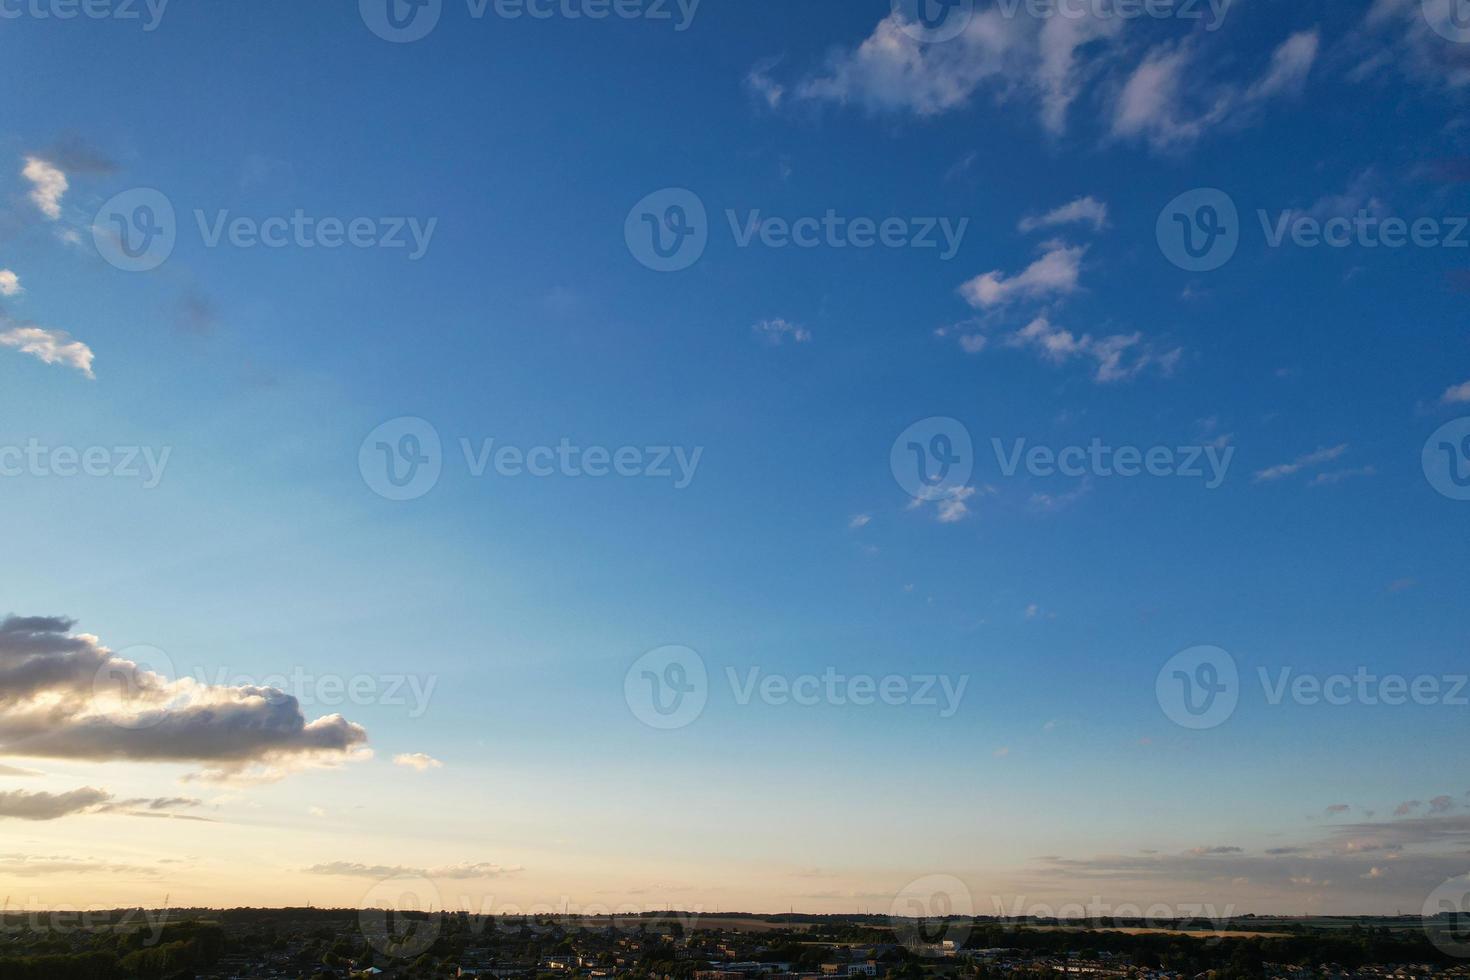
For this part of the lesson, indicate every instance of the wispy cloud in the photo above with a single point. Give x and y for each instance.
(24, 805)
(1164, 103)
(51, 346)
(1307, 461)
(778, 331)
(352, 869)
(417, 760)
(48, 184)
(1056, 273)
(9, 283)
(1084, 210)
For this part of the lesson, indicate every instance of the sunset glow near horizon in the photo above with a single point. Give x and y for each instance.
(729, 456)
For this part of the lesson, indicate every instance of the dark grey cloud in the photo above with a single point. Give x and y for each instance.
(64, 695)
(25, 805)
(75, 155)
(21, 805)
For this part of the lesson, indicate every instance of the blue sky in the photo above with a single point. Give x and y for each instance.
(1059, 319)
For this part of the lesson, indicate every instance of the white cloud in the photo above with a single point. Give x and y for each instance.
(893, 71)
(775, 332)
(1399, 36)
(51, 346)
(1290, 65)
(760, 82)
(1087, 210)
(48, 184)
(9, 283)
(1118, 357)
(1037, 59)
(1456, 394)
(860, 520)
(1054, 274)
(953, 508)
(1162, 103)
(417, 760)
(1306, 461)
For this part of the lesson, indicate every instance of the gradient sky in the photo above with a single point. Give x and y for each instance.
(263, 551)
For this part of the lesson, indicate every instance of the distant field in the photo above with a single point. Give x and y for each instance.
(1141, 931)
